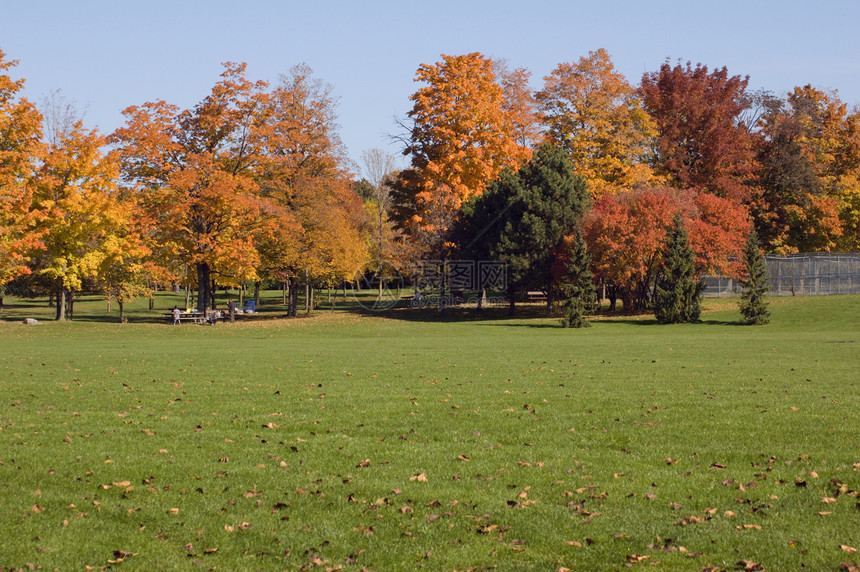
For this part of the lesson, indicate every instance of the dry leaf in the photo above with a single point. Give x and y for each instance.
(848, 549)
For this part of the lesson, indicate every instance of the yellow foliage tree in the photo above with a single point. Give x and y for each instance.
(77, 200)
(593, 113)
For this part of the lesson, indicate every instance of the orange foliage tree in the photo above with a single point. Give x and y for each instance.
(463, 132)
(809, 174)
(313, 223)
(195, 173)
(592, 113)
(20, 151)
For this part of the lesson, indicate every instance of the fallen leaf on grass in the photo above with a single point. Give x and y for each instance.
(750, 565)
(123, 553)
(748, 527)
(421, 478)
(849, 567)
(828, 500)
(848, 549)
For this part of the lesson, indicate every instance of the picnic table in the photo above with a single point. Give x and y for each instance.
(193, 316)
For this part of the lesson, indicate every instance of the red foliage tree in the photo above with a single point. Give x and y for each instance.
(625, 234)
(702, 141)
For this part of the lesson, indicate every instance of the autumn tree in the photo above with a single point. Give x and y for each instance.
(679, 288)
(76, 198)
(314, 226)
(595, 115)
(195, 172)
(519, 103)
(380, 169)
(625, 234)
(809, 157)
(701, 142)
(461, 133)
(20, 151)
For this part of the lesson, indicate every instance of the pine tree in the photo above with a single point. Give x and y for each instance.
(755, 282)
(679, 289)
(580, 294)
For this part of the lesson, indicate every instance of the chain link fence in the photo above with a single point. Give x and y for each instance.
(805, 274)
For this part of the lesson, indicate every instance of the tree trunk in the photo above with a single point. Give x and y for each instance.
(442, 287)
(203, 280)
(293, 305)
(284, 284)
(512, 300)
(70, 312)
(257, 293)
(61, 305)
(121, 312)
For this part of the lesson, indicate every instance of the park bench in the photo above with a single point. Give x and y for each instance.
(536, 296)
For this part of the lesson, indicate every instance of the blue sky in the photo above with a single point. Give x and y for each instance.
(107, 55)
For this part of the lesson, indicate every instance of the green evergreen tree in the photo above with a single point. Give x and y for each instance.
(679, 288)
(580, 294)
(756, 283)
(523, 217)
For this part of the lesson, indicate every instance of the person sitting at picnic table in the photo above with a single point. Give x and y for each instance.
(214, 315)
(176, 313)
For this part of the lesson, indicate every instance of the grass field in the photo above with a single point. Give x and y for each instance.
(404, 441)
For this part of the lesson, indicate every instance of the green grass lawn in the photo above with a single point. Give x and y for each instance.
(401, 441)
